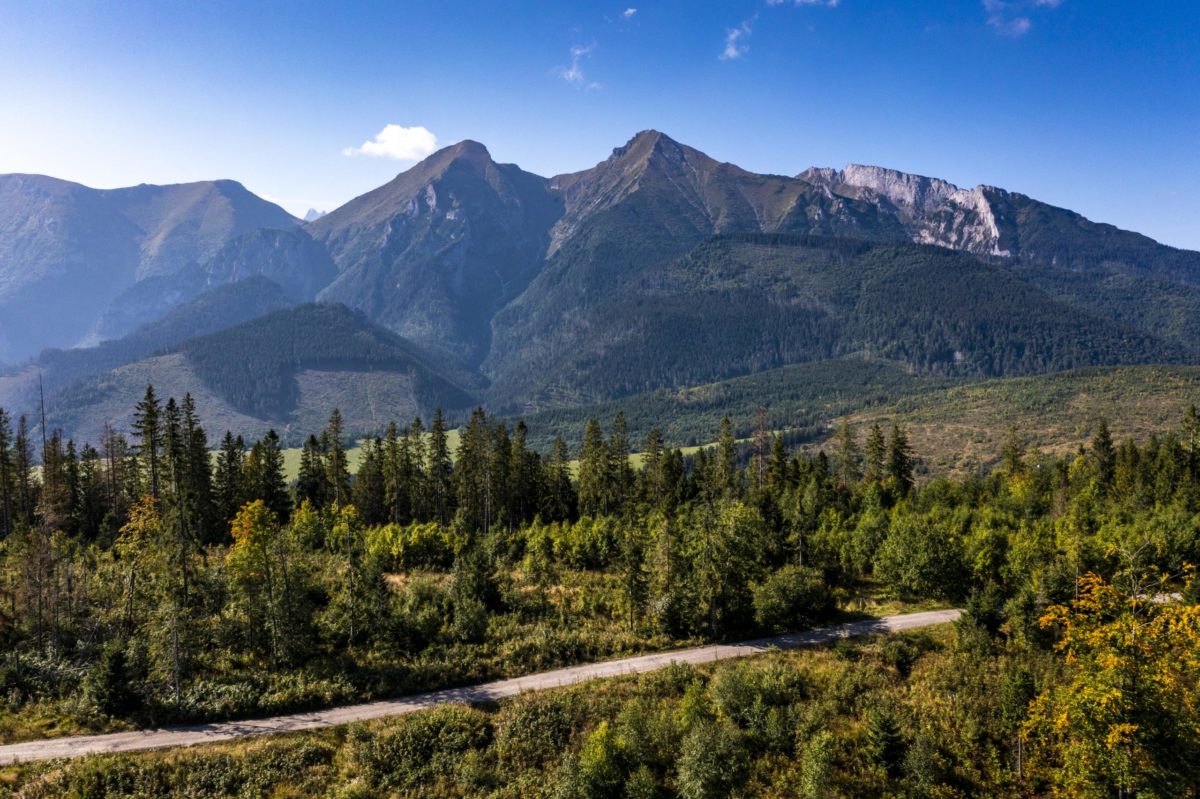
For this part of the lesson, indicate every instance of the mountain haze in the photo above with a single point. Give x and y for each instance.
(67, 250)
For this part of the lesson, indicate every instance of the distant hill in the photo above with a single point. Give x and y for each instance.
(799, 399)
(66, 250)
(214, 310)
(288, 370)
(963, 429)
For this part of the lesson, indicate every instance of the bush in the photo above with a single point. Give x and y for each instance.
(792, 597)
(712, 762)
(423, 748)
(108, 683)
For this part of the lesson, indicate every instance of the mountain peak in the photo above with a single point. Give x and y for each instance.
(467, 149)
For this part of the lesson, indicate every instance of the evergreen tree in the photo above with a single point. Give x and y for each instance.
(337, 466)
(1104, 455)
(198, 477)
(23, 466)
(847, 454)
(558, 503)
(265, 475)
(900, 464)
(310, 483)
(473, 474)
(619, 473)
(7, 483)
(727, 476)
(593, 472)
(876, 456)
(439, 472)
(1014, 453)
(148, 429)
(230, 488)
(653, 487)
(370, 492)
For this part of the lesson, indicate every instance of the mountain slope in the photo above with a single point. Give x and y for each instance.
(287, 370)
(747, 303)
(67, 250)
(435, 252)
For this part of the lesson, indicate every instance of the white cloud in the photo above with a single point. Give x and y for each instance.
(573, 74)
(1011, 17)
(628, 13)
(826, 3)
(736, 44)
(394, 141)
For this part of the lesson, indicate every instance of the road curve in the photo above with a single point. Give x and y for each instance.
(143, 740)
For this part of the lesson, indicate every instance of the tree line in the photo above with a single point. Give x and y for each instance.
(153, 579)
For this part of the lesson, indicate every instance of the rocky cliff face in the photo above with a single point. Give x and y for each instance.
(932, 211)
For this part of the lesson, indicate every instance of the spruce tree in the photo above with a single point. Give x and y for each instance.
(439, 472)
(310, 483)
(148, 429)
(265, 475)
(337, 466)
(876, 456)
(900, 465)
(230, 486)
(7, 485)
(593, 471)
(726, 475)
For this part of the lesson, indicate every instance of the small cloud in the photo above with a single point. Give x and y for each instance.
(573, 74)
(628, 13)
(826, 3)
(736, 41)
(1011, 17)
(394, 141)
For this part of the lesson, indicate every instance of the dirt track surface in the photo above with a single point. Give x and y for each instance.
(143, 740)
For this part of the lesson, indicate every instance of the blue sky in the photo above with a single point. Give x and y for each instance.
(1088, 104)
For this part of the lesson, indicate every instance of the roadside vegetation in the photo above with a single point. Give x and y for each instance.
(145, 584)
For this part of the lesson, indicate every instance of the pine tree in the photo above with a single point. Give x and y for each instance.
(147, 428)
(230, 488)
(900, 465)
(369, 491)
(23, 465)
(337, 466)
(653, 489)
(473, 474)
(728, 479)
(593, 468)
(619, 474)
(876, 456)
(1105, 455)
(885, 744)
(265, 476)
(847, 454)
(7, 484)
(439, 472)
(197, 477)
(310, 483)
(559, 500)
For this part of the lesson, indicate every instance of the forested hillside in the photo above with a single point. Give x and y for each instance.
(745, 304)
(148, 583)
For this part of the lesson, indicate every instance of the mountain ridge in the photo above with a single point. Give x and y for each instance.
(543, 292)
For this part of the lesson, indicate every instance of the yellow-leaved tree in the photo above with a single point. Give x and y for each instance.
(1123, 719)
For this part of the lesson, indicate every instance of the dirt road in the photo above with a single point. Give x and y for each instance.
(142, 740)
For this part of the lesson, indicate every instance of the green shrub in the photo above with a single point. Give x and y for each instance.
(792, 597)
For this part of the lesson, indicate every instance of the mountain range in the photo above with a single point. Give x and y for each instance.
(657, 269)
